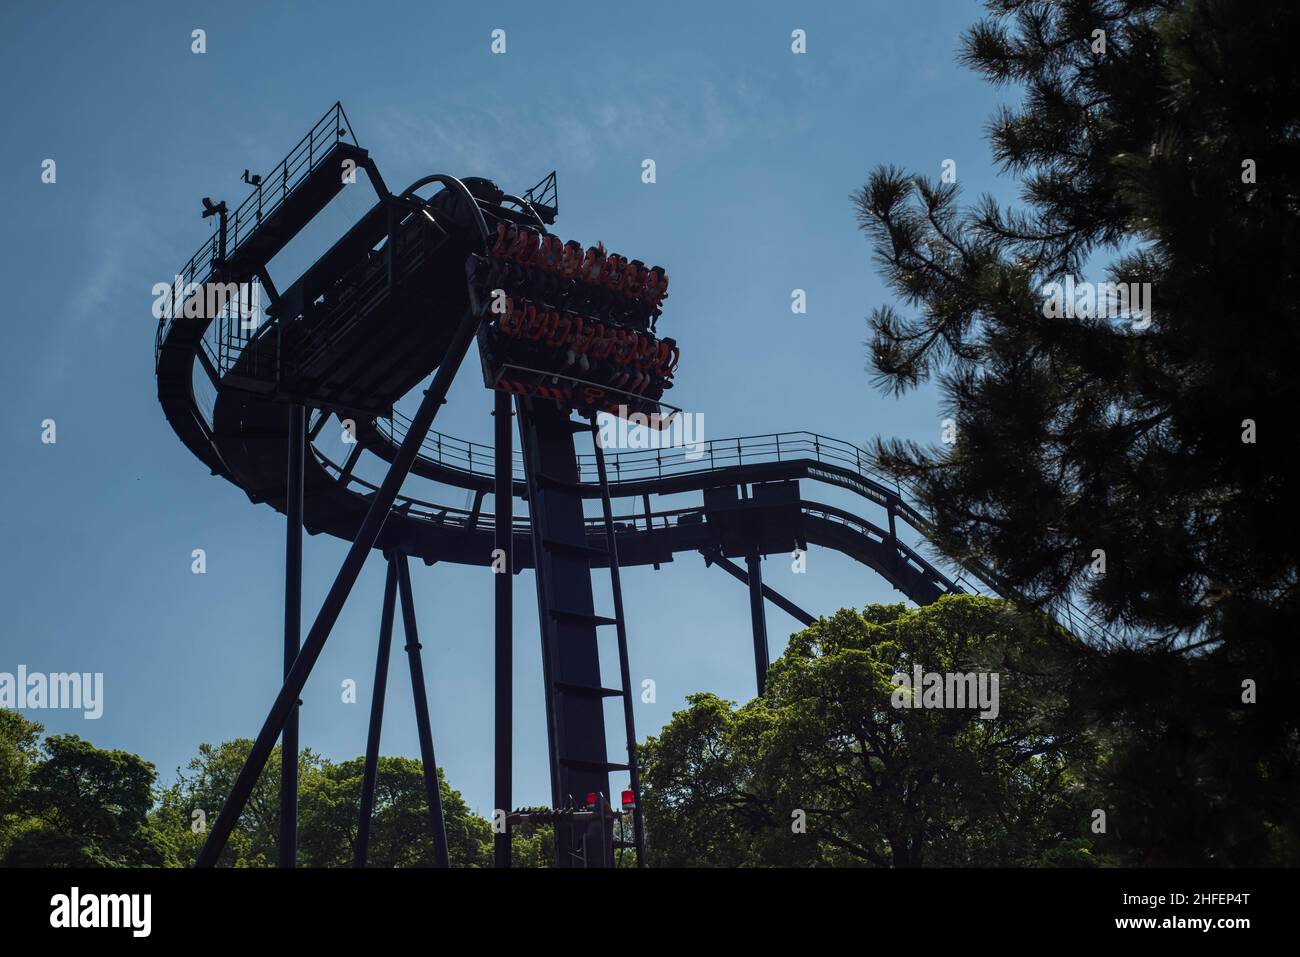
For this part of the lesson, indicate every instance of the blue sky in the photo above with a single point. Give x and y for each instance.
(757, 152)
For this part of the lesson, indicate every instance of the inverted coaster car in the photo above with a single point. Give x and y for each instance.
(573, 325)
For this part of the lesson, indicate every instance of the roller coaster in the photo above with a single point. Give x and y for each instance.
(564, 334)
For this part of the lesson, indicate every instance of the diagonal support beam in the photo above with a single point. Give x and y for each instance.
(771, 594)
(371, 776)
(434, 397)
(428, 763)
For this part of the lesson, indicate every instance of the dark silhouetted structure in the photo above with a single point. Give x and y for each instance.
(401, 296)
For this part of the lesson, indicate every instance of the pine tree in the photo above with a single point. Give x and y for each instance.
(1162, 140)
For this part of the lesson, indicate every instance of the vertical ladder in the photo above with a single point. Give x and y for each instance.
(563, 559)
(616, 587)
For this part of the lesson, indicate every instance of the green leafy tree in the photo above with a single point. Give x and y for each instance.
(400, 834)
(1155, 143)
(878, 784)
(188, 807)
(19, 752)
(696, 796)
(532, 846)
(89, 808)
(328, 808)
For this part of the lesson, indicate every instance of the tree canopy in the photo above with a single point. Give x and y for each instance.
(328, 804)
(66, 803)
(70, 804)
(878, 784)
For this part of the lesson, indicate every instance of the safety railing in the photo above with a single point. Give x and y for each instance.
(632, 465)
(863, 527)
(267, 197)
(274, 188)
(465, 519)
(710, 455)
(544, 196)
(447, 451)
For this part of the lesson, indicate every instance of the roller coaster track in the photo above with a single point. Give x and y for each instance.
(396, 299)
(782, 456)
(244, 439)
(250, 442)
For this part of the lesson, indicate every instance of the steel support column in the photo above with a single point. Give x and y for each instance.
(504, 594)
(566, 611)
(770, 593)
(428, 762)
(539, 575)
(758, 616)
(371, 776)
(292, 632)
(367, 534)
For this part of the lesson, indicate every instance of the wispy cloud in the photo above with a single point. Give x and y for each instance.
(507, 139)
(110, 293)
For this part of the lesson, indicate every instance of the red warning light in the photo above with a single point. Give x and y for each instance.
(629, 799)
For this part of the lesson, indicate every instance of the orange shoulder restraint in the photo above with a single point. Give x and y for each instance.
(602, 346)
(528, 250)
(594, 332)
(505, 239)
(510, 321)
(536, 323)
(558, 330)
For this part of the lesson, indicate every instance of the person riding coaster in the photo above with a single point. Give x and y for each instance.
(633, 279)
(593, 331)
(505, 239)
(647, 356)
(624, 349)
(539, 268)
(666, 365)
(536, 253)
(548, 257)
(611, 277)
(627, 363)
(536, 325)
(655, 289)
(525, 247)
(509, 322)
(593, 264)
(557, 331)
(572, 259)
(612, 282)
(546, 268)
(569, 345)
